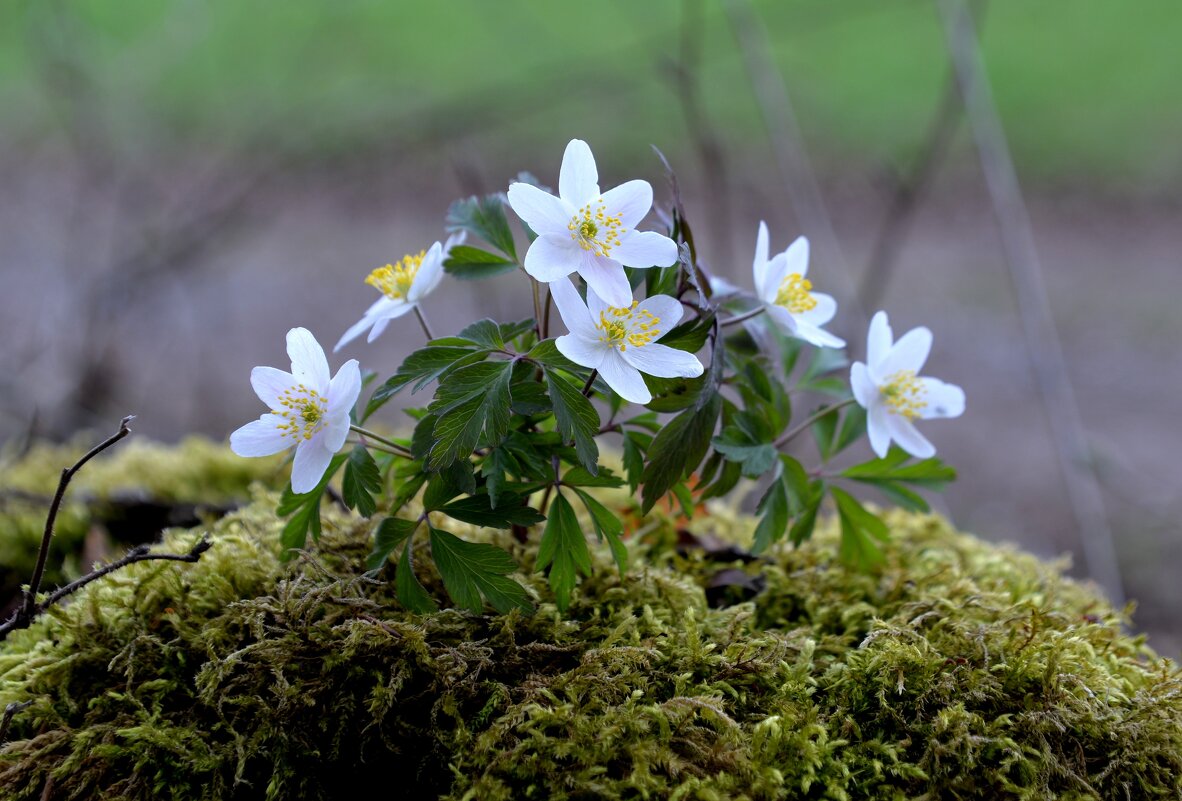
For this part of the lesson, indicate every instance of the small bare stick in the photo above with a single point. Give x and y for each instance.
(6, 721)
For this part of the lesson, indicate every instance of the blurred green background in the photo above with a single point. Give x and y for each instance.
(182, 181)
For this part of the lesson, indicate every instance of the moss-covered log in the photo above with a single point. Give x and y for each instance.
(959, 670)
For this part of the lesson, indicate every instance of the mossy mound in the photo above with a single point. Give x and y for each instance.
(958, 670)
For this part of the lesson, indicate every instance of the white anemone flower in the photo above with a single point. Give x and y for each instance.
(589, 232)
(307, 410)
(889, 387)
(403, 286)
(788, 296)
(620, 341)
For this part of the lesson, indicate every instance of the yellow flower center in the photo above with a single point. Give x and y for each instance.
(394, 280)
(302, 409)
(903, 394)
(630, 326)
(794, 294)
(596, 230)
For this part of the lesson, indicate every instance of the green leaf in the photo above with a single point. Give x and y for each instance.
(472, 569)
(410, 592)
(607, 526)
(390, 534)
(755, 458)
(546, 353)
(467, 263)
(824, 430)
(362, 480)
(853, 426)
(691, 335)
(580, 477)
(635, 444)
(859, 530)
(486, 333)
(576, 418)
(478, 510)
(307, 511)
(774, 520)
(453, 480)
(484, 217)
(564, 549)
(421, 368)
(927, 472)
(673, 394)
(678, 449)
(804, 522)
(472, 401)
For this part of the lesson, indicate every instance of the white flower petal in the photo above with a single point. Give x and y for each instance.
(623, 378)
(597, 306)
(645, 249)
(909, 439)
(943, 400)
(458, 238)
(606, 277)
(344, 389)
(759, 265)
(335, 431)
(878, 427)
(582, 351)
(542, 211)
(354, 332)
(783, 318)
(773, 276)
(269, 383)
(552, 256)
(631, 200)
(864, 389)
(663, 361)
(820, 314)
(380, 325)
(311, 460)
(578, 179)
(817, 336)
(666, 309)
(259, 437)
(429, 274)
(878, 339)
(571, 308)
(909, 353)
(797, 256)
(308, 363)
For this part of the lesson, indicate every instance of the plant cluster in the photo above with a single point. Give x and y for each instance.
(698, 382)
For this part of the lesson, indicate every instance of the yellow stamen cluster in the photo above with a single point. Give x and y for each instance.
(631, 326)
(794, 294)
(394, 280)
(301, 409)
(596, 230)
(903, 394)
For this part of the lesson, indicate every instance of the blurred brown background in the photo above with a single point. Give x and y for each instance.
(181, 182)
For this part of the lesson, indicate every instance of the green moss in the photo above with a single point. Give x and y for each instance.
(959, 670)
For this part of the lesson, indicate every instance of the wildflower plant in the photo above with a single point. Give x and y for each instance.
(696, 393)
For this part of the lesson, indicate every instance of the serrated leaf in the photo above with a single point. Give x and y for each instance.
(484, 217)
(576, 419)
(607, 526)
(469, 263)
(486, 333)
(455, 479)
(307, 511)
(773, 521)
(470, 404)
(564, 550)
(678, 449)
(689, 336)
(927, 472)
(471, 570)
(755, 458)
(390, 534)
(634, 458)
(546, 353)
(859, 530)
(410, 592)
(478, 510)
(673, 394)
(806, 519)
(361, 481)
(580, 477)
(824, 430)
(421, 368)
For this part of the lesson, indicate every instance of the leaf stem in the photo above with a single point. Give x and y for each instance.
(423, 322)
(739, 318)
(782, 441)
(590, 381)
(546, 314)
(537, 304)
(394, 446)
